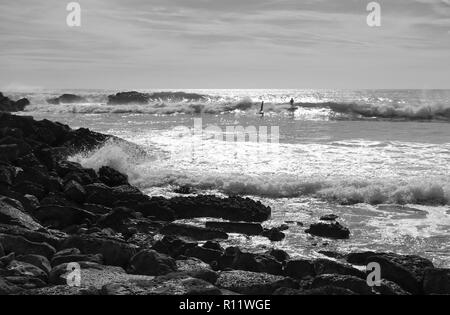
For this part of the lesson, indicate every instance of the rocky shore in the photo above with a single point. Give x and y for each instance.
(54, 213)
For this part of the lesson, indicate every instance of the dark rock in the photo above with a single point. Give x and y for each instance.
(75, 192)
(108, 196)
(115, 253)
(61, 216)
(252, 283)
(111, 177)
(13, 216)
(9, 152)
(117, 218)
(278, 254)
(236, 227)
(194, 232)
(24, 269)
(22, 246)
(326, 266)
(171, 284)
(197, 269)
(389, 288)
(29, 188)
(7, 288)
(213, 245)
(8, 105)
(151, 263)
(205, 254)
(299, 269)
(132, 97)
(332, 254)
(36, 260)
(22, 147)
(329, 217)
(436, 281)
(51, 237)
(2, 251)
(351, 283)
(173, 246)
(62, 259)
(333, 230)
(274, 234)
(66, 99)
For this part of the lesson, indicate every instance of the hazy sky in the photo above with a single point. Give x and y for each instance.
(224, 44)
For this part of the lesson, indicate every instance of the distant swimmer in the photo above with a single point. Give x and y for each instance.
(292, 102)
(262, 109)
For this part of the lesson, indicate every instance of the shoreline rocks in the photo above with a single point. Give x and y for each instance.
(8, 105)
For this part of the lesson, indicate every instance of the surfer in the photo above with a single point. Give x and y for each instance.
(292, 102)
(262, 109)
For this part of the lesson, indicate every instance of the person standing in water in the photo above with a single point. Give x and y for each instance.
(292, 102)
(262, 109)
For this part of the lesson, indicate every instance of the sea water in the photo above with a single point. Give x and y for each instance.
(380, 159)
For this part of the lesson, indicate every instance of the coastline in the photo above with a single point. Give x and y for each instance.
(55, 212)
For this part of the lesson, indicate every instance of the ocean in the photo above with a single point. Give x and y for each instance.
(380, 159)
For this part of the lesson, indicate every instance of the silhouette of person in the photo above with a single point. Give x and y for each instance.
(262, 109)
(292, 102)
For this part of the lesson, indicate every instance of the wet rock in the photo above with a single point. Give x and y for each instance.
(13, 216)
(205, 254)
(21, 246)
(171, 284)
(351, 283)
(256, 263)
(333, 230)
(62, 216)
(274, 234)
(173, 246)
(436, 281)
(24, 269)
(389, 288)
(326, 266)
(30, 188)
(8, 105)
(194, 232)
(299, 269)
(252, 283)
(151, 263)
(213, 245)
(132, 97)
(329, 217)
(115, 252)
(66, 99)
(236, 227)
(7, 288)
(111, 177)
(197, 269)
(117, 218)
(107, 196)
(278, 254)
(51, 237)
(75, 192)
(39, 261)
(9, 152)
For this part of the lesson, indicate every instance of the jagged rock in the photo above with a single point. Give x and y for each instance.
(351, 283)
(13, 216)
(326, 266)
(333, 230)
(21, 246)
(278, 254)
(329, 217)
(274, 234)
(8, 105)
(173, 246)
(63, 216)
(151, 263)
(436, 281)
(115, 253)
(111, 177)
(171, 284)
(299, 268)
(132, 97)
(236, 227)
(74, 191)
(252, 283)
(39, 261)
(194, 232)
(205, 254)
(66, 99)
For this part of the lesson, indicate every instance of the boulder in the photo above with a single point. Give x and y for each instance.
(117, 218)
(13, 216)
(51, 237)
(333, 230)
(111, 177)
(23, 269)
(151, 263)
(75, 192)
(173, 246)
(299, 269)
(193, 232)
(213, 245)
(274, 234)
(351, 283)
(278, 254)
(205, 254)
(8, 105)
(436, 281)
(253, 283)
(62, 216)
(236, 227)
(21, 246)
(256, 263)
(171, 284)
(114, 252)
(36, 260)
(326, 266)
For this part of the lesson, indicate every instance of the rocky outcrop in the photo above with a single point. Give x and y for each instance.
(333, 230)
(194, 232)
(66, 99)
(8, 105)
(236, 227)
(151, 263)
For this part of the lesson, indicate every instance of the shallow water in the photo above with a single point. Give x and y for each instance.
(393, 171)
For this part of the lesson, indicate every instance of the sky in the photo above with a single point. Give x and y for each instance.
(188, 44)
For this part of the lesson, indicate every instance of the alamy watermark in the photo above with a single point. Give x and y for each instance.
(74, 17)
(374, 17)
